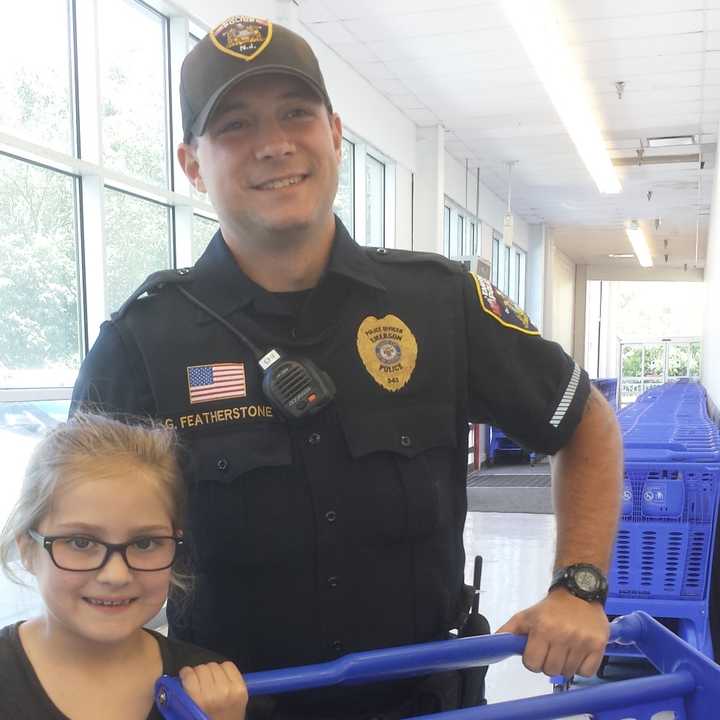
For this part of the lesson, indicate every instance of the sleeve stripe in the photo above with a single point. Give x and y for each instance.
(567, 397)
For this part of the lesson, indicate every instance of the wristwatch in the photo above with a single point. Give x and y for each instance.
(583, 580)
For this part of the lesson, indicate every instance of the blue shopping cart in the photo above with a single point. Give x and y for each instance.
(687, 688)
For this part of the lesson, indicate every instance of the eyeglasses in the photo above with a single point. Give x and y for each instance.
(79, 553)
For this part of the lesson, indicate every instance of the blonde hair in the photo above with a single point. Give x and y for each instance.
(71, 446)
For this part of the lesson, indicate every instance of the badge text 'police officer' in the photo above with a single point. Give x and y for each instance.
(388, 350)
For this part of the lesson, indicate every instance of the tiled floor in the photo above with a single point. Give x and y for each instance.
(517, 551)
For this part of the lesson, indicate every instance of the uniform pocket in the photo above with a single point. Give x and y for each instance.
(403, 460)
(223, 526)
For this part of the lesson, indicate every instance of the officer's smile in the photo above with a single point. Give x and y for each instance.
(281, 183)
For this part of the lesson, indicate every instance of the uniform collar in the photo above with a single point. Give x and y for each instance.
(219, 282)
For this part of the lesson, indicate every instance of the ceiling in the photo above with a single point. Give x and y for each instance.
(459, 63)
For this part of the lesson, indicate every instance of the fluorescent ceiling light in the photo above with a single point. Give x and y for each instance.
(671, 141)
(537, 24)
(639, 242)
(621, 255)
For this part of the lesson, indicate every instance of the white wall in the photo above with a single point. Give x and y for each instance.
(563, 300)
(403, 208)
(711, 336)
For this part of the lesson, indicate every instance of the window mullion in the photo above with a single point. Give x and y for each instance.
(179, 30)
(360, 193)
(390, 203)
(183, 235)
(89, 102)
(93, 233)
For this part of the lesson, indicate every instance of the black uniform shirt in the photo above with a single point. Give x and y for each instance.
(342, 532)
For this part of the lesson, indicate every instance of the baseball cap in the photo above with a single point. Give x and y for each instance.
(238, 48)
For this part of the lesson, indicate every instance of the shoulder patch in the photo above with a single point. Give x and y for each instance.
(153, 283)
(501, 308)
(387, 255)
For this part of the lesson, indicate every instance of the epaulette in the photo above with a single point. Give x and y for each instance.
(388, 255)
(153, 283)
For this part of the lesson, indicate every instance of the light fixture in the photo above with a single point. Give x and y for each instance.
(639, 242)
(670, 141)
(537, 25)
(621, 255)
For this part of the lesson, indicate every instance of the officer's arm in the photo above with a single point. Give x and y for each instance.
(531, 389)
(568, 635)
(587, 487)
(112, 378)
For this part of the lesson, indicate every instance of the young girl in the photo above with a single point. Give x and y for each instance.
(97, 524)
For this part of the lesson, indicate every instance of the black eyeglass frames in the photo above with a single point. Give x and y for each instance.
(82, 553)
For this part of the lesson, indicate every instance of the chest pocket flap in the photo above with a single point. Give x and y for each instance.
(408, 431)
(408, 458)
(222, 458)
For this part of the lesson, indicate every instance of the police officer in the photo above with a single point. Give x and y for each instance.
(329, 520)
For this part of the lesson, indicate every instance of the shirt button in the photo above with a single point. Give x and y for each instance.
(405, 440)
(332, 581)
(222, 464)
(337, 646)
(314, 439)
(331, 516)
(293, 333)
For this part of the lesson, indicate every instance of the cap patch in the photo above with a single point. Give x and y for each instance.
(242, 37)
(501, 308)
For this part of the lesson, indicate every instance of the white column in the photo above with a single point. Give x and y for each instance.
(580, 314)
(711, 337)
(535, 292)
(548, 294)
(429, 189)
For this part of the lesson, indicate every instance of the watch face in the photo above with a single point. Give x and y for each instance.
(587, 580)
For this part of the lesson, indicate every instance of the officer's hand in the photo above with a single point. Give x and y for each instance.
(217, 689)
(566, 635)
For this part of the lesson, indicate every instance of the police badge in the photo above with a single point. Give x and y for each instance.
(388, 350)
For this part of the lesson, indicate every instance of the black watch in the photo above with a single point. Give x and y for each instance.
(582, 580)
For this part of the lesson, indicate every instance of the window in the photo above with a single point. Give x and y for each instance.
(202, 232)
(456, 244)
(521, 273)
(470, 246)
(39, 283)
(133, 90)
(345, 198)
(374, 202)
(459, 233)
(132, 256)
(35, 99)
(446, 230)
(509, 269)
(92, 208)
(495, 260)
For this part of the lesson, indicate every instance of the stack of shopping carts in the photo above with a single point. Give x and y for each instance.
(664, 547)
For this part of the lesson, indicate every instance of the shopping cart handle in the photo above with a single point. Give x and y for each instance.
(373, 665)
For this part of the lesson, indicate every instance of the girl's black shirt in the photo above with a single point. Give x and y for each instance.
(23, 697)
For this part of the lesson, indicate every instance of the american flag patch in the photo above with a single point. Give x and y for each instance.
(216, 382)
